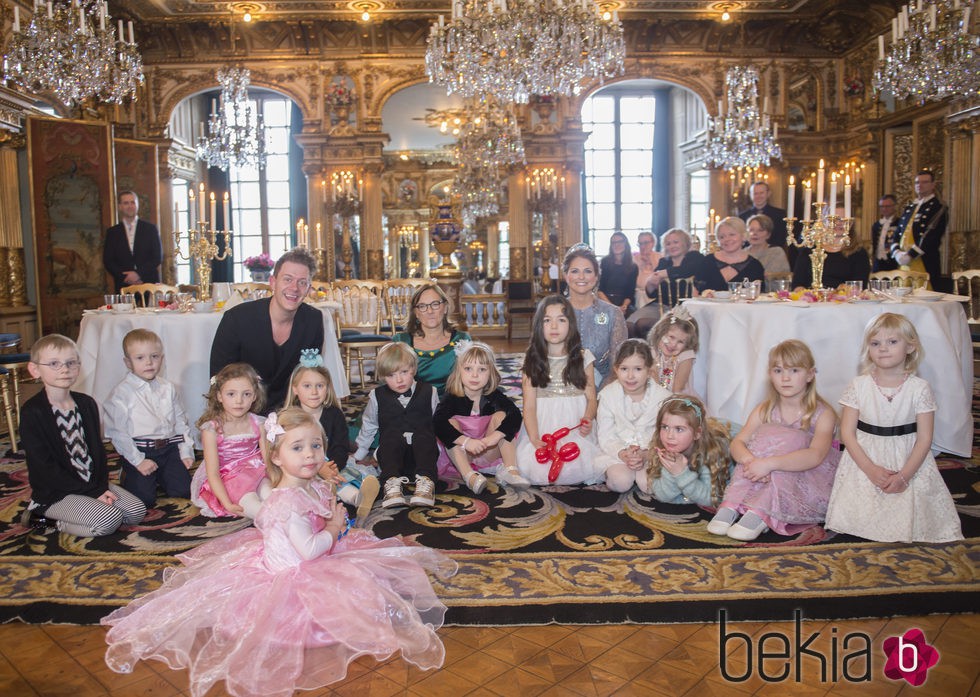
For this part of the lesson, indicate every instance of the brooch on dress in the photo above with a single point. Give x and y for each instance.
(602, 318)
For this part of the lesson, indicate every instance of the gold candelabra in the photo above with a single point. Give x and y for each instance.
(202, 238)
(820, 233)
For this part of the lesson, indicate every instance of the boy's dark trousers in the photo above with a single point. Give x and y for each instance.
(170, 473)
(397, 458)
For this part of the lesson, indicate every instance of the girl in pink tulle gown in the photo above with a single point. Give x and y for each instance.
(785, 454)
(234, 451)
(288, 604)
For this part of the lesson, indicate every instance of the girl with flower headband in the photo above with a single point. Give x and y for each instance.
(311, 388)
(674, 340)
(476, 422)
(558, 385)
(301, 585)
(785, 454)
(234, 452)
(689, 457)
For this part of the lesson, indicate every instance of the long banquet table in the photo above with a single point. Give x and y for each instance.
(187, 352)
(731, 370)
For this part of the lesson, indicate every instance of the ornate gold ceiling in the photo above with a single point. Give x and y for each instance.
(757, 27)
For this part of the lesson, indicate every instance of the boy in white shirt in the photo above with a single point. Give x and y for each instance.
(147, 425)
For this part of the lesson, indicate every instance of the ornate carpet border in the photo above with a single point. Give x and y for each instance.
(832, 581)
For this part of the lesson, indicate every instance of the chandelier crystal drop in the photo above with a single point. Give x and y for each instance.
(522, 47)
(479, 190)
(933, 54)
(235, 132)
(743, 137)
(73, 51)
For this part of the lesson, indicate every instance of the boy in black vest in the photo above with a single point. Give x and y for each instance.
(401, 410)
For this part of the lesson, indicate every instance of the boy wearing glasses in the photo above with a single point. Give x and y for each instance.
(147, 424)
(270, 333)
(62, 438)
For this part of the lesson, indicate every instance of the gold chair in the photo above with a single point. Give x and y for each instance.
(362, 311)
(967, 283)
(398, 296)
(8, 407)
(251, 289)
(191, 288)
(144, 292)
(906, 279)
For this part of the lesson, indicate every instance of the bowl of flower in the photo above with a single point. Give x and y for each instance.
(260, 266)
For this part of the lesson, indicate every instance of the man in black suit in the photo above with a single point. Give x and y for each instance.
(760, 206)
(132, 252)
(882, 235)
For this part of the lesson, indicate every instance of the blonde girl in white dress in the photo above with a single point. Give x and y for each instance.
(888, 487)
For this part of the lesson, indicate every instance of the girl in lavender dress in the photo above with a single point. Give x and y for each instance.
(476, 422)
(234, 451)
(785, 454)
(288, 604)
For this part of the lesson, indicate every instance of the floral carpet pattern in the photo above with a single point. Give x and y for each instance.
(565, 554)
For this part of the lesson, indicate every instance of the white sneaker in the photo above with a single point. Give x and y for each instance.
(425, 492)
(511, 477)
(393, 492)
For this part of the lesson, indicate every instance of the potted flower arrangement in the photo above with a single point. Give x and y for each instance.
(260, 266)
(340, 98)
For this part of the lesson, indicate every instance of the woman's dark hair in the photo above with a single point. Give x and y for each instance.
(536, 356)
(579, 251)
(627, 258)
(413, 327)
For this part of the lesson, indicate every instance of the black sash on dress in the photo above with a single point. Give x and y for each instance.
(902, 430)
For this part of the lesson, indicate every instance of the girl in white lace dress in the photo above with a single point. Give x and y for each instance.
(888, 487)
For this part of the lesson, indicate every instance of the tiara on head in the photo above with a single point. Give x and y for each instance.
(310, 358)
(680, 313)
(686, 402)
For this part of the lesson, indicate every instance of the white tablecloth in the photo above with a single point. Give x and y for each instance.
(187, 353)
(731, 369)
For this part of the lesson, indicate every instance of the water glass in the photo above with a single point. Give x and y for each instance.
(750, 290)
(735, 288)
(881, 285)
(128, 298)
(854, 288)
(779, 285)
(110, 299)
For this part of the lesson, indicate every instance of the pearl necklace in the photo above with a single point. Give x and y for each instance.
(893, 395)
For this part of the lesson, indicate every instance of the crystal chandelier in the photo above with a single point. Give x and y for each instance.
(235, 133)
(479, 190)
(523, 47)
(73, 51)
(489, 135)
(743, 137)
(933, 53)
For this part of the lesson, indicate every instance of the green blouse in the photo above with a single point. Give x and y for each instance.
(435, 366)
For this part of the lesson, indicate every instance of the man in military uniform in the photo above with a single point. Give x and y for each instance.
(919, 233)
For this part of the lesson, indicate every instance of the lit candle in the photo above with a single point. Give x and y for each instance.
(527, 186)
(563, 187)
(81, 20)
(820, 173)
(775, 131)
(122, 37)
(102, 10)
(191, 210)
(360, 189)
(318, 238)
(323, 188)
(200, 204)
(833, 194)
(225, 204)
(881, 47)
(807, 199)
(847, 196)
(711, 222)
(132, 39)
(16, 18)
(791, 198)
(214, 211)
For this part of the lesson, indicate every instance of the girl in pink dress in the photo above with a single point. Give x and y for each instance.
(288, 604)
(234, 451)
(785, 454)
(674, 340)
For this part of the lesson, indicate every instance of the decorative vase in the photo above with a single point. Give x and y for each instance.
(261, 276)
(342, 112)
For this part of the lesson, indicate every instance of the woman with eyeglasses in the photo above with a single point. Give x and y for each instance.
(431, 335)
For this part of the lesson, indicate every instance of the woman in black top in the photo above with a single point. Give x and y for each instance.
(731, 262)
(617, 274)
(679, 262)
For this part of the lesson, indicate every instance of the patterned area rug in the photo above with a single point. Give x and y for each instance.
(550, 554)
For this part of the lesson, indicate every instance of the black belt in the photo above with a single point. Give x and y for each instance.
(902, 430)
(158, 443)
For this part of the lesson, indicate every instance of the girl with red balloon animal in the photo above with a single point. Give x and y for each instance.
(558, 443)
